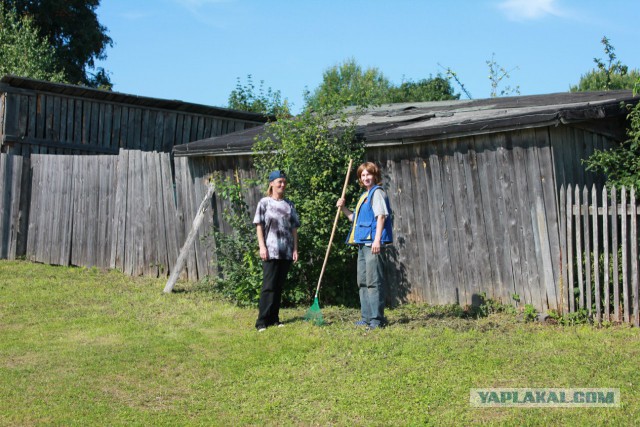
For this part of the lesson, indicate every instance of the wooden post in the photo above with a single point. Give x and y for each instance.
(605, 244)
(596, 252)
(614, 252)
(625, 255)
(177, 268)
(634, 258)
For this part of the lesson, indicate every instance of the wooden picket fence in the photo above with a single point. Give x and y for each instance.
(599, 244)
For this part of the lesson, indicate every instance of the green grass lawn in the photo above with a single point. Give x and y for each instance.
(85, 347)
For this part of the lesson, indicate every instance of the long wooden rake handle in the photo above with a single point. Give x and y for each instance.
(333, 230)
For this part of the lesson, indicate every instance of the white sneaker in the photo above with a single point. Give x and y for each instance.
(262, 329)
(280, 325)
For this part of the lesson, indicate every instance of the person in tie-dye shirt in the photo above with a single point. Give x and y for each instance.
(277, 224)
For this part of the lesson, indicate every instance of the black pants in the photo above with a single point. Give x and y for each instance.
(274, 273)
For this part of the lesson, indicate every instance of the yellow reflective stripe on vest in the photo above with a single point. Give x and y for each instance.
(352, 239)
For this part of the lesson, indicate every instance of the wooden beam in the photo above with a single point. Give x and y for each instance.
(177, 268)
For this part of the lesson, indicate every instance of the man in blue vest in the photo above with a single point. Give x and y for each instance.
(371, 232)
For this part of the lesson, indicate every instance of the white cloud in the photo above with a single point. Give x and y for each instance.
(196, 4)
(200, 10)
(522, 10)
(135, 15)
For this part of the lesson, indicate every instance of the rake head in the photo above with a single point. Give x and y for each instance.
(314, 314)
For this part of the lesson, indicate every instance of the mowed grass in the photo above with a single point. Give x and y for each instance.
(85, 347)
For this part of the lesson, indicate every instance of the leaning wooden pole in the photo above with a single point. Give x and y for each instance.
(179, 265)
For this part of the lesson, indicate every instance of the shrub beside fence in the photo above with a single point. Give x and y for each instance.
(599, 239)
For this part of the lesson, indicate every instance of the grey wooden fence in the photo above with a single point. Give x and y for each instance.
(11, 192)
(109, 211)
(599, 239)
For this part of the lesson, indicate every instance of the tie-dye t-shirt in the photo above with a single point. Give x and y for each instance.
(278, 219)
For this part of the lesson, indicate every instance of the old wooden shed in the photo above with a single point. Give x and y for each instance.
(474, 186)
(87, 177)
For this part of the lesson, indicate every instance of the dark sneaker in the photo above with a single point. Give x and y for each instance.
(361, 323)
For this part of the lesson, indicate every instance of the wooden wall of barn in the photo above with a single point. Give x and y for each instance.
(42, 122)
(472, 216)
(479, 215)
(192, 178)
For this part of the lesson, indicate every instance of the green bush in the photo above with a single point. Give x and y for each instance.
(237, 254)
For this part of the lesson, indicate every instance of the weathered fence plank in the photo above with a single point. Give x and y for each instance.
(5, 203)
(172, 220)
(578, 254)
(10, 178)
(118, 232)
(634, 258)
(625, 260)
(606, 248)
(596, 251)
(587, 248)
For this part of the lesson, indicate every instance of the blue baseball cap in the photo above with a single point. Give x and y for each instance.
(277, 174)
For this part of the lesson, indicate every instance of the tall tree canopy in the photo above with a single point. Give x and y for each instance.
(432, 89)
(609, 74)
(22, 51)
(347, 84)
(245, 97)
(72, 28)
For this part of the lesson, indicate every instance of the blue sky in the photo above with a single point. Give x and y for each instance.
(194, 50)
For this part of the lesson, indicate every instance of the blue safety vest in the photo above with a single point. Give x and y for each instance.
(365, 222)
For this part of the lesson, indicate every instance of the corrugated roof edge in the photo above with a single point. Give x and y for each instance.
(143, 101)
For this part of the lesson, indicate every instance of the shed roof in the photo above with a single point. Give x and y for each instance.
(10, 83)
(408, 123)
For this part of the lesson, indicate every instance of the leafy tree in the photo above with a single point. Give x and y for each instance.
(246, 98)
(22, 51)
(609, 75)
(348, 84)
(73, 30)
(598, 80)
(432, 89)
